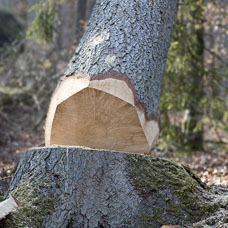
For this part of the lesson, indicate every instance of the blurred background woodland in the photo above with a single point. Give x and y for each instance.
(38, 38)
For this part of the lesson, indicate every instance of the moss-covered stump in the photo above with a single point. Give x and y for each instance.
(79, 187)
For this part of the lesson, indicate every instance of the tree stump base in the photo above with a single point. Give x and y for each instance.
(66, 187)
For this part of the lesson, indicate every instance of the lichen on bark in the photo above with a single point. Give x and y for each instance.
(34, 205)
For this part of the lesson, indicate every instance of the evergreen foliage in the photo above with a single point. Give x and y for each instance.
(43, 26)
(188, 83)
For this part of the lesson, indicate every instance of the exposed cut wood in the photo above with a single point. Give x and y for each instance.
(109, 97)
(7, 206)
(100, 114)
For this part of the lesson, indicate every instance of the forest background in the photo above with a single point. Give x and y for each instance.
(37, 40)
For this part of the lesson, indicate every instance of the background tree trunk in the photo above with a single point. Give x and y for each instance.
(216, 45)
(80, 187)
(68, 26)
(74, 16)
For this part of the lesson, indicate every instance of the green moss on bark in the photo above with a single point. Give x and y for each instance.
(152, 221)
(175, 193)
(35, 202)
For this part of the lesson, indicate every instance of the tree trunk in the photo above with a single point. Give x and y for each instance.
(193, 136)
(216, 47)
(80, 187)
(73, 15)
(67, 29)
(110, 94)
